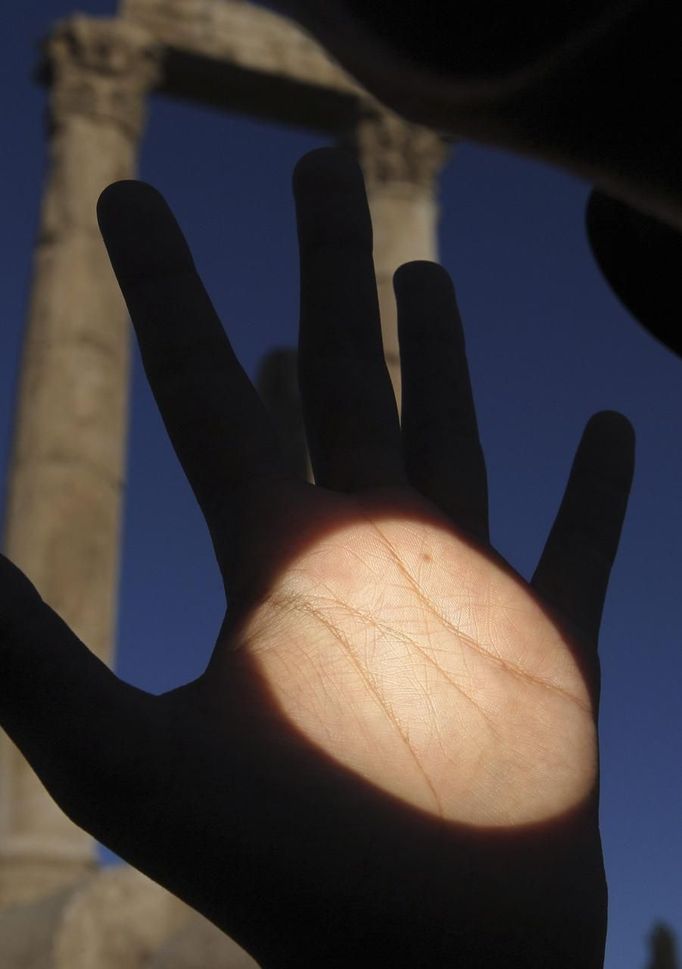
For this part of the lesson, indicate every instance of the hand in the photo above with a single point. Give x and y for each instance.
(391, 758)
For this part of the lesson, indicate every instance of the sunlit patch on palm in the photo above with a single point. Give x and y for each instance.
(423, 664)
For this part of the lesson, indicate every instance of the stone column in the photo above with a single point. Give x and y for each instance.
(401, 163)
(277, 383)
(62, 518)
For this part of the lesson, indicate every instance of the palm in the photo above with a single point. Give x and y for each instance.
(388, 705)
(417, 659)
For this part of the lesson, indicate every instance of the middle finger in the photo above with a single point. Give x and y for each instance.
(349, 406)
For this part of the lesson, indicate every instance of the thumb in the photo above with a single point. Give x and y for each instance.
(76, 723)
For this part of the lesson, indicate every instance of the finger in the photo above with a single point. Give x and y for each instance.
(213, 414)
(574, 568)
(348, 402)
(83, 731)
(441, 447)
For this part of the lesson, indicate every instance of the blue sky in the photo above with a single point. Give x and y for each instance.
(548, 346)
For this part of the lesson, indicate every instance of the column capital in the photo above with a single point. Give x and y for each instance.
(100, 68)
(393, 151)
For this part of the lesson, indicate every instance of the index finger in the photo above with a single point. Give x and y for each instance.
(215, 419)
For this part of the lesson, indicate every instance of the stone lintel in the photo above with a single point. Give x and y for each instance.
(257, 94)
(241, 58)
(246, 35)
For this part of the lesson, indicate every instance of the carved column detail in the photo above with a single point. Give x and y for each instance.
(102, 70)
(62, 518)
(401, 163)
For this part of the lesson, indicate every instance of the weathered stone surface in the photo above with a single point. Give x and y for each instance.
(119, 918)
(27, 932)
(62, 519)
(64, 497)
(251, 37)
(277, 384)
(100, 69)
(200, 945)
(115, 919)
(401, 163)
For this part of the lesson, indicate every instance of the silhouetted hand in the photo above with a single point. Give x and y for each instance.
(391, 759)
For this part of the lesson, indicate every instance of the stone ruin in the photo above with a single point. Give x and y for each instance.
(60, 909)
